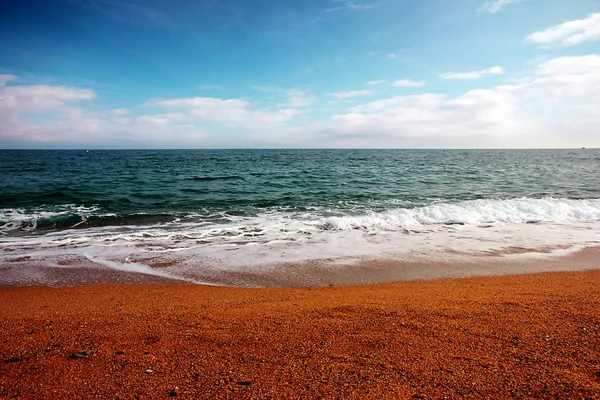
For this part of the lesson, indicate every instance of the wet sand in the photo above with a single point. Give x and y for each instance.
(73, 270)
(521, 336)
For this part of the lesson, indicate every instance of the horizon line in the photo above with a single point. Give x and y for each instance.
(294, 148)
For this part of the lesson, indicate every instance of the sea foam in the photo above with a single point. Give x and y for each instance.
(196, 250)
(524, 210)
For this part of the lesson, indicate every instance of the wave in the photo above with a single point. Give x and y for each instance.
(215, 178)
(78, 217)
(69, 215)
(198, 247)
(471, 212)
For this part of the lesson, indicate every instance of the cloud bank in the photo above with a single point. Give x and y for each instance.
(518, 115)
(558, 105)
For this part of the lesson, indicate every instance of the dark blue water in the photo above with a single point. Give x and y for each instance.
(63, 189)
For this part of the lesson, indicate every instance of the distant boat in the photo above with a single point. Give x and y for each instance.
(87, 151)
(583, 148)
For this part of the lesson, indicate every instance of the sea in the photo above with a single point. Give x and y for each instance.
(278, 217)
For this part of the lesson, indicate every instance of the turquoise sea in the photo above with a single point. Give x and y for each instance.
(274, 206)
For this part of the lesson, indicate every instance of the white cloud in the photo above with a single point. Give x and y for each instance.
(228, 112)
(64, 123)
(355, 5)
(352, 93)
(488, 113)
(569, 65)
(164, 119)
(421, 100)
(67, 124)
(17, 100)
(472, 74)
(391, 56)
(374, 83)
(299, 98)
(301, 101)
(408, 83)
(199, 103)
(41, 97)
(558, 106)
(568, 33)
(120, 111)
(296, 98)
(494, 6)
(574, 79)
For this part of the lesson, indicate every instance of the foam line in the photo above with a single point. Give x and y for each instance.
(134, 267)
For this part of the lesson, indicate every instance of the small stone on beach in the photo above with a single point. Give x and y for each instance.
(79, 354)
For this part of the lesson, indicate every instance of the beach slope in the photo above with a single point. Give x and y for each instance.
(495, 337)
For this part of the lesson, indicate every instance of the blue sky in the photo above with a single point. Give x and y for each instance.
(328, 73)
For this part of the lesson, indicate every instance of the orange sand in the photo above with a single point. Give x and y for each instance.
(501, 337)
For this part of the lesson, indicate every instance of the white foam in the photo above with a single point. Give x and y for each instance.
(264, 241)
(27, 219)
(473, 212)
(132, 267)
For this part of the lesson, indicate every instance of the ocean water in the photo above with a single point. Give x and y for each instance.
(190, 214)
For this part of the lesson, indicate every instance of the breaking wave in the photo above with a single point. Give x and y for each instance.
(472, 212)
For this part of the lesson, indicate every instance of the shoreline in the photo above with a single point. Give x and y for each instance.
(69, 272)
(530, 335)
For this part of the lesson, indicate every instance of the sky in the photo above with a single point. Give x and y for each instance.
(109, 74)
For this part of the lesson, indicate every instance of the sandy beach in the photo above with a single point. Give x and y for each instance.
(524, 336)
